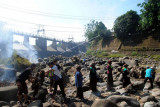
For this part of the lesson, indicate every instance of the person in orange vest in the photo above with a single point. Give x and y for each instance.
(50, 74)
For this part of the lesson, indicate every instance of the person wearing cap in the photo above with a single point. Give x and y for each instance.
(21, 83)
(78, 82)
(125, 75)
(149, 76)
(93, 78)
(58, 79)
(109, 75)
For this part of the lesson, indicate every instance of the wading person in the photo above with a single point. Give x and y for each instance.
(58, 79)
(21, 84)
(148, 75)
(125, 75)
(109, 75)
(78, 82)
(93, 78)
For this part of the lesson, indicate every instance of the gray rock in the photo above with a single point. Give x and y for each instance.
(36, 103)
(117, 83)
(101, 84)
(123, 104)
(139, 85)
(148, 99)
(155, 92)
(151, 104)
(129, 100)
(41, 94)
(66, 68)
(131, 63)
(120, 78)
(12, 103)
(103, 103)
(122, 91)
(3, 103)
(118, 87)
(40, 60)
(91, 95)
(8, 93)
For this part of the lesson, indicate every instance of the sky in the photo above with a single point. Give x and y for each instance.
(62, 19)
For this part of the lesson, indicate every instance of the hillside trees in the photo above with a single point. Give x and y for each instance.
(126, 25)
(150, 15)
(96, 30)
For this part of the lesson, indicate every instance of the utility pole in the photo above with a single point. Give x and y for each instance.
(41, 30)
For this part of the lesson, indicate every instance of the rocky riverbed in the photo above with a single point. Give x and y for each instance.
(135, 95)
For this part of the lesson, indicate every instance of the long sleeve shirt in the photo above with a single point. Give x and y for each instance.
(78, 79)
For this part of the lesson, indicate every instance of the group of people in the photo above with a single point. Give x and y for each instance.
(56, 79)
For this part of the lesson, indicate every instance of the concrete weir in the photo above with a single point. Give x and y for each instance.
(8, 93)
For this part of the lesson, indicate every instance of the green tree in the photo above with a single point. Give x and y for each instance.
(150, 15)
(96, 31)
(126, 25)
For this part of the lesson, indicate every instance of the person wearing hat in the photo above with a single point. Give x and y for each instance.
(93, 77)
(148, 75)
(78, 82)
(109, 75)
(21, 84)
(125, 75)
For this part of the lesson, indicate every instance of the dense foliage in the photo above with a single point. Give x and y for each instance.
(126, 25)
(96, 31)
(150, 15)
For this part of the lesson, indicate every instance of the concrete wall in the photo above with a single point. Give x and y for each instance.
(115, 44)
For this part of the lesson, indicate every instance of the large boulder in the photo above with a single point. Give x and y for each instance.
(91, 95)
(117, 83)
(36, 103)
(66, 68)
(41, 94)
(147, 99)
(8, 93)
(129, 100)
(4, 104)
(139, 85)
(155, 92)
(103, 103)
(131, 63)
(151, 104)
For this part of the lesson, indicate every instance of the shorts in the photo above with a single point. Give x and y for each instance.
(22, 88)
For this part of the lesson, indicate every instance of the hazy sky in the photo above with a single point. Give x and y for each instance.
(63, 18)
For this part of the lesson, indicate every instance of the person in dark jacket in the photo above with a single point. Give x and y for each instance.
(109, 75)
(78, 82)
(125, 75)
(21, 84)
(93, 77)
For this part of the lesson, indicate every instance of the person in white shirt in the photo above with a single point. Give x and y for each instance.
(58, 79)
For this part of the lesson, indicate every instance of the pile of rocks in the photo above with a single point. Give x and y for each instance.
(134, 95)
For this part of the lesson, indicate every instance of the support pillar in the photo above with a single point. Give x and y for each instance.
(26, 41)
(42, 44)
(54, 45)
